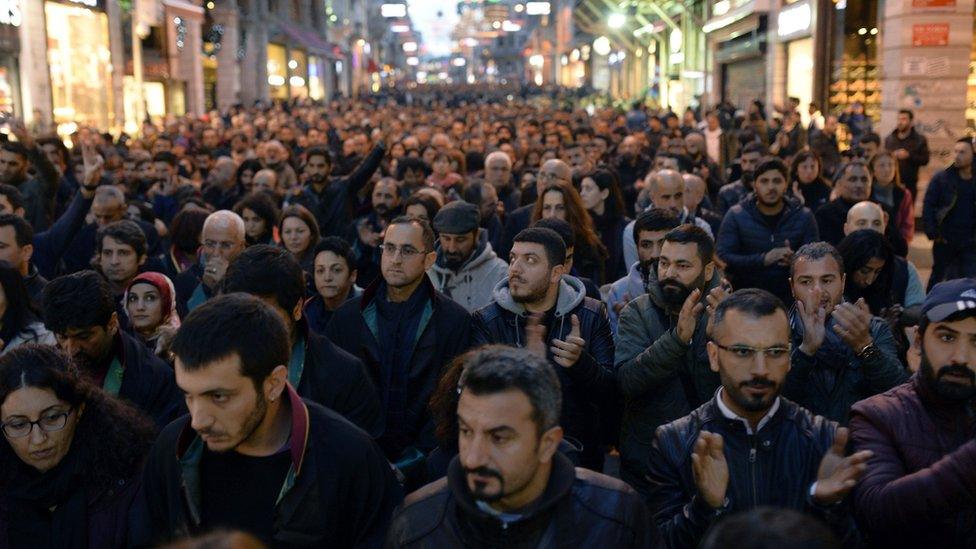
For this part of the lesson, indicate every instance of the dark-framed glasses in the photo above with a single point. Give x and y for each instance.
(407, 251)
(745, 352)
(49, 423)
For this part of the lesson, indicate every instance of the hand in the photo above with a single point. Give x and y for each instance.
(838, 474)
(853, 324)
(618, 307)
(214, 271)
(716, 295)
(167, 187)
(779, 256)
(92, 164)
(567, 352)
(19, 130)
(535, 336)
(709, 468)
(500, 209)
(892, 315)
(367, 236)
(688, 316)
(813, 316)
(901, 154)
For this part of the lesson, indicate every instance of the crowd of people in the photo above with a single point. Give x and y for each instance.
(477, 318)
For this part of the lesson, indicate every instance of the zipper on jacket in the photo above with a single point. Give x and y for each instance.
(752, 469)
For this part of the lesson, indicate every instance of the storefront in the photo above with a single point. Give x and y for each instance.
(298, 73)
(278, 71)
(855, 73)
(736, 33)
(794, 32)
(11, 18)
(80, 64)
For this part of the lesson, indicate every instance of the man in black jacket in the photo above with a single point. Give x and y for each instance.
(405, 332)
(252, 455)
(41, 190)
(553, 172)
(330, 199)
(221, 240)
(508, 486)
(909, 147)
(748, 446)
(547, 312)
(79, 309)
(318, 369)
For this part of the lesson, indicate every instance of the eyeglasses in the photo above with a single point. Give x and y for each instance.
(547, 176)
(225, 246)
(407, 251)
(745, 352)
(20, 428)
(856, 179)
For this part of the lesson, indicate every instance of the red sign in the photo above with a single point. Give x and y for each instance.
(930, 34)
(933, 3)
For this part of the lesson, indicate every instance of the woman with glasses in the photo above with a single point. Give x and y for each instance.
(563, 202)
(71, 455)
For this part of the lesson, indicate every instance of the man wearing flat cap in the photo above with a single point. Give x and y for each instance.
(920, 487)
(467, 269)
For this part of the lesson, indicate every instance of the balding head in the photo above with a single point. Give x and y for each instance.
(265, 180)
(694, 191)
(866, 215)
(223, 234)
(667, 189)
(108, 205)
(553, 172)
(695, 143)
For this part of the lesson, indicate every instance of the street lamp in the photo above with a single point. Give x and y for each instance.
(616, 20)
(601, 45)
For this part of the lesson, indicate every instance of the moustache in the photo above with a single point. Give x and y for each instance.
(961, 370)
(483, 472)
(758, 383)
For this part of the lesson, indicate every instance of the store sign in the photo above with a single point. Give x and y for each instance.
(10, 13)
(794, 20)
(930, 34)
(933, 3)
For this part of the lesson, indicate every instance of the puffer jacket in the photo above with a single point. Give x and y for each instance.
(832, 380)
(625, 290)
(471, 285)
(35, 332)
(578, 508)
(660, 377)
(918, 489)
(774, 467)
(589, 387)
(745, 238)
(937, 211)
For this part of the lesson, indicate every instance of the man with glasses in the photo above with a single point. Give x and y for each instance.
(841, 353)
(405, 332)
(222, 240)
(553, 172)
(747, 447)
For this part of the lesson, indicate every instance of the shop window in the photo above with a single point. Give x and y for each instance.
(855, 73)
(278, 71)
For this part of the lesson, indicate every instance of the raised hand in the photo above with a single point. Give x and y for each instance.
(535, 336)
(716, 295)
(618, 307)
(688, 316)
(710, 470)
(813, 316)
(20, 131)
(566, 352)
(853, 324)
(838, 474)
(92, 163)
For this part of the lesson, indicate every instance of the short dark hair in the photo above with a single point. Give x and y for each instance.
(428, 233)
(844, 168)
(185, 229)
(58, 144)
(428, 202)
(13, 194)
(815, 251)
(693, 234)
(14, 147)
(265, 270)
(411, 163)
(319, 151)
(655, 219)
(498, 368)
(232, 324)
(562, 228)
(124, 231)
(754, 302)
(165, 156)
(754, 147)
(911, 115)
(339, 247)
(549, 239)
(263, 206)
(773, 164)
(768, 527)
(78, 300)
(23, 231)
(871, 137)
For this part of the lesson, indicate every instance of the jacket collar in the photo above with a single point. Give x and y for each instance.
(370, 292)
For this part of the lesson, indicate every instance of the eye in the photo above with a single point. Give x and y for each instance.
(741, 352)
(17, 424)
(219, 398)
(947, 338)
(775, 353)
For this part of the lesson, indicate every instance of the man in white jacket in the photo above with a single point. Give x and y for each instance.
(467, 269)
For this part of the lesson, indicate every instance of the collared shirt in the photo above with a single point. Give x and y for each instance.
(729, 414)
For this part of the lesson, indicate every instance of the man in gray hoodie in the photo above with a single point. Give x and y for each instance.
(467, 268)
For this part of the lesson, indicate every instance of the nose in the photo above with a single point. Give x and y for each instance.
(475, 452)
(759, 369)
(37, 435)
(200, 418)
(963, 353)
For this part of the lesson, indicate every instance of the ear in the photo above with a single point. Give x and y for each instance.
(429, 259)
(113, 324)
(296, 313)
(275, 383)
(847, 229)
(556, 274)
(20, 212)
(605, 194)
(884, 220)
(142, 259)
(792, 291)
(352, 276)
(709, 271)
(713, 350)
(27, 252)
(549, 443)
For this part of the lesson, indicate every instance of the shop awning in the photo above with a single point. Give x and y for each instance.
(311, 41)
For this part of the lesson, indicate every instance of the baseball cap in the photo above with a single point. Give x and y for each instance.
(948, 298)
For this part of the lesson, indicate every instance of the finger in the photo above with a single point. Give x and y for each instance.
(698, 309)
(716, 449)
(787, 243)
(801, 308)
(575, 332)
(840, 441)
(701, 445)
(691, 300)
(577, 342)
(564, 345)
(560, 353)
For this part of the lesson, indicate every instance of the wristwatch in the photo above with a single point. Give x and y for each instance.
(868, 352)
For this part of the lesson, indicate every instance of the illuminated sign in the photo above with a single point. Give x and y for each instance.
(794, 20)
(10, 13)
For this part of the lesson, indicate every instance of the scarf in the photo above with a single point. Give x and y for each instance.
(167, 294)
(35, 493)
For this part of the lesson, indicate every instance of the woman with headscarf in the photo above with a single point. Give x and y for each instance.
(150, 303)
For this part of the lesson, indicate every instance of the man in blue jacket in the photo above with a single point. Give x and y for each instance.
(949, 217)
(759, 234)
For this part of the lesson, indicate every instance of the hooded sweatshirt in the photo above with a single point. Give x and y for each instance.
(471, 286)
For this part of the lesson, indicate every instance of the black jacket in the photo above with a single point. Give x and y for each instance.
(444, 333)
(589, 387)
(148, 383)
(333, 206)
(579, 508)
(941, 197)
(774, 467)
(918, 155)
(515, 221)
(339, 491)
(337, 380)
(832, 216)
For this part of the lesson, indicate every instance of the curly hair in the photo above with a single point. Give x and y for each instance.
(113, 438)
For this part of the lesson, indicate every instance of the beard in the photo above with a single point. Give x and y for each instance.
(948, 390)
(528, 293)
(479, 489)
(316, 179)
(453, 260)
(751, 403)
(381, 209)
(675, 293)
(250, 424)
